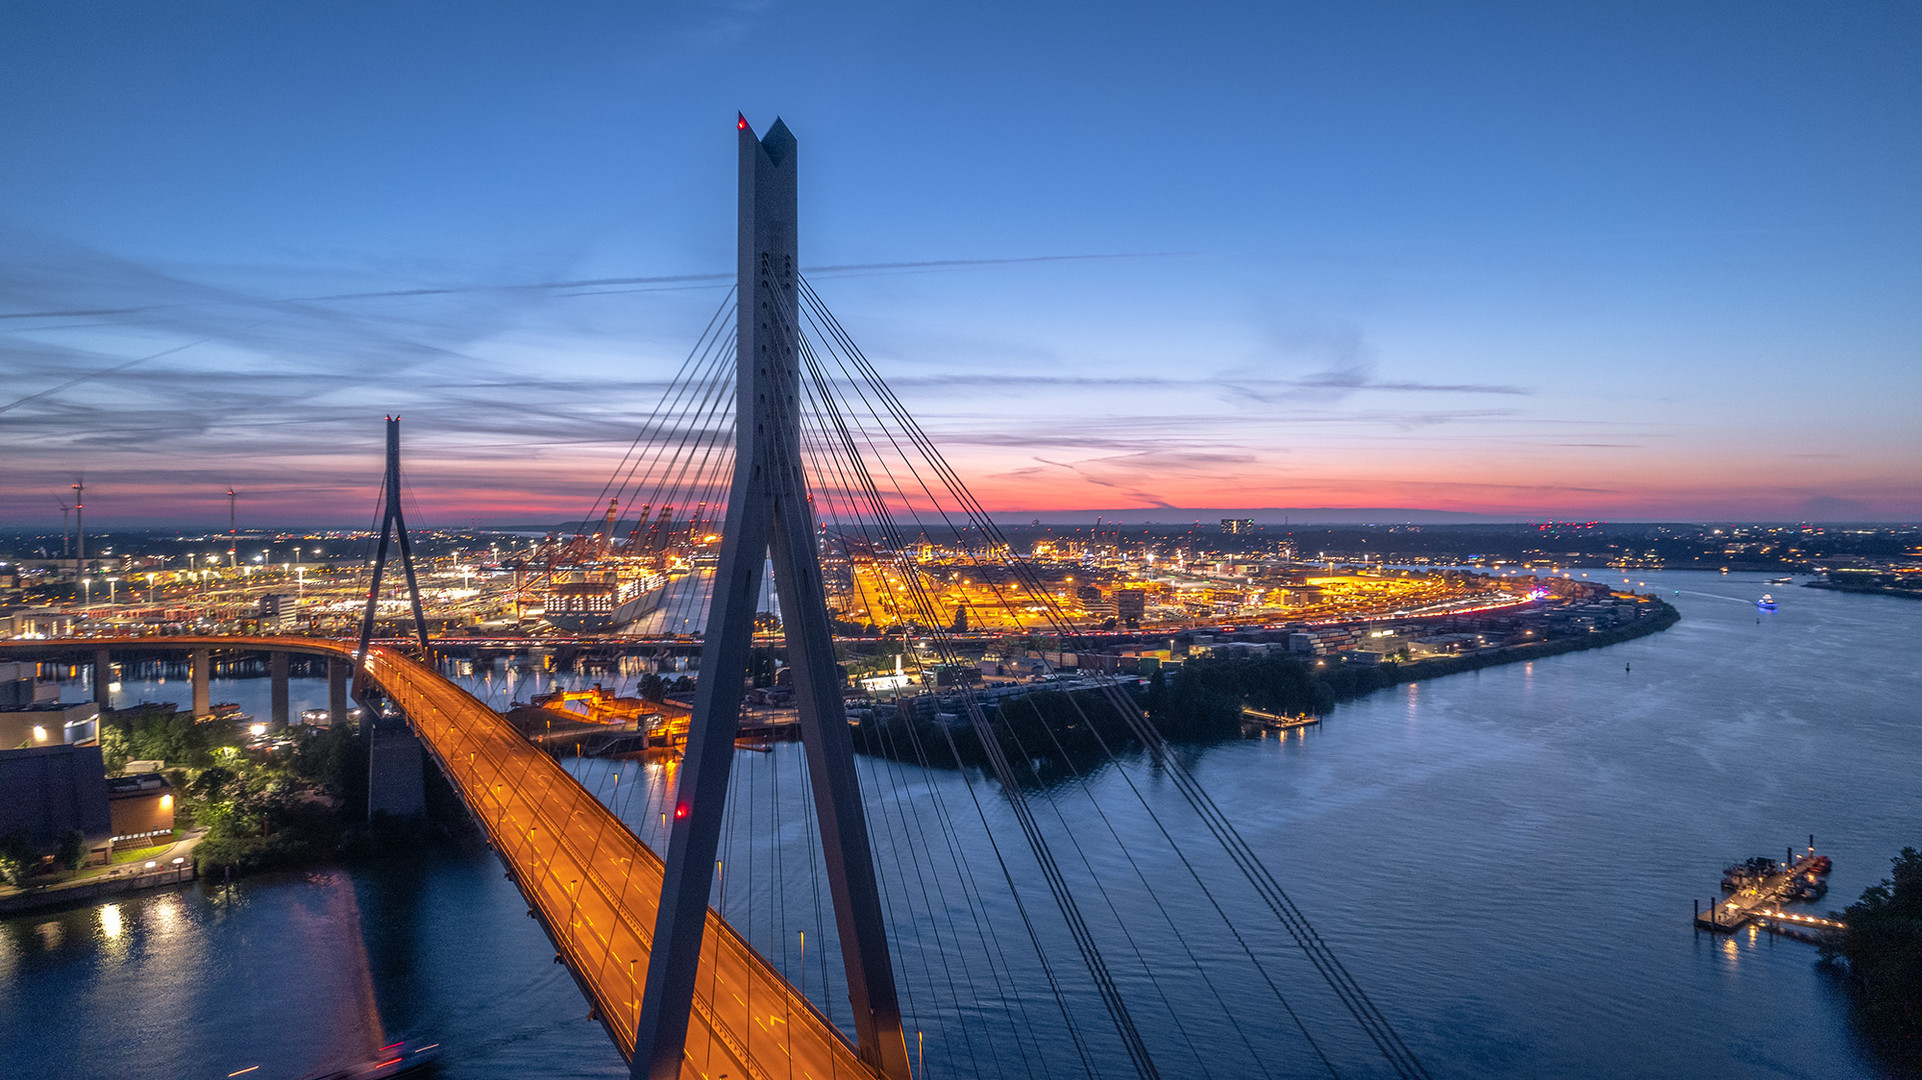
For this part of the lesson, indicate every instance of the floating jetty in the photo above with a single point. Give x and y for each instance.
(1758, 891)
(1277, 721)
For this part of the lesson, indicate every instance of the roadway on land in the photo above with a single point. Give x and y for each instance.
(593, 883)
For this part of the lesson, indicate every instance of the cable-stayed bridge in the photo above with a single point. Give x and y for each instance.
(1035, 878)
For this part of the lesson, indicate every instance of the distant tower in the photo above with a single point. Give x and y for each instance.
(233, 533)
(768, 517)
(79, 530)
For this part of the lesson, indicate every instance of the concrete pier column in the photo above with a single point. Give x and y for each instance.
(395, 782)
(203, 664)
(277, 672)
(102, 677)
(337, 675)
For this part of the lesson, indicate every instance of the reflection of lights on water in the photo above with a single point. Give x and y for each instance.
(166, 914)
(110, 921)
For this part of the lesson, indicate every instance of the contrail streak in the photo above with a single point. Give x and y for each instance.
(78, 379)
(122, 366)
(584, 283)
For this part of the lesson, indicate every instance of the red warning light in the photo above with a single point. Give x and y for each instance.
(740, 122)
(680, 811)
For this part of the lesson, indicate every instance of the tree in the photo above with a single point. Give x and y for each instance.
(114, 748)
(17, 856)
(1883, 947)
(72, 853)
(760, 666)
(652, 688)
(1157, 693)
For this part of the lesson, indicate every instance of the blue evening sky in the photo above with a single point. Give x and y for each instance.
(1624, 261)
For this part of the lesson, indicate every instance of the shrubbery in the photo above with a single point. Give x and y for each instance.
(162, 734)
(1883, 949)
(259, 810)
(277, 812)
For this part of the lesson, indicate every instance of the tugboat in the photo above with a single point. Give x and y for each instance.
(1766, 603)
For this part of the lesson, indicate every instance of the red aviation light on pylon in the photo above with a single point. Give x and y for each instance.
(740, 122)
(680, 811)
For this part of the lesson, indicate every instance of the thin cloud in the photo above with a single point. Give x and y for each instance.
(607, 283)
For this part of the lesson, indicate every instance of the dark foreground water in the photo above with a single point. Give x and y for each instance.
(1504, 860)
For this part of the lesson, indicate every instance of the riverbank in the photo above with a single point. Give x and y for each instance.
(1204, 698)
(1417, 670)
(1865, 590)
(1052, 734)
(173, 866)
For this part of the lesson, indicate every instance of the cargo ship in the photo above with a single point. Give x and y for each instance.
(594, 607)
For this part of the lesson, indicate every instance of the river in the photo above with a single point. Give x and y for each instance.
(1504, 859)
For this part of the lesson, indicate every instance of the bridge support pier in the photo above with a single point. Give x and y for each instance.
(337, 672)
(203, 662)
(102, 678)
(277, 676)
(394, 763)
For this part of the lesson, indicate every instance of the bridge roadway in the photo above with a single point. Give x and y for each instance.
(589, 879)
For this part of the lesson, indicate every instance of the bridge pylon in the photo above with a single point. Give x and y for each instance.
(392, 522)
(393, 758)
(769, 517)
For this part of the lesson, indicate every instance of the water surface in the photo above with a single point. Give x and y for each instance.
(1504, 859)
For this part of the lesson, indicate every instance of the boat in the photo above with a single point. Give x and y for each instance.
(1766, 603)
(1783, 580)
(1807, 889)
(1749, 874)
(600, 606)
(394, 1059)
(225, 710)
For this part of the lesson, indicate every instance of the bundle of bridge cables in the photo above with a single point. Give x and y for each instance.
(1063, 897)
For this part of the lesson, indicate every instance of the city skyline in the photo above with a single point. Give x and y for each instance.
(1637, 266)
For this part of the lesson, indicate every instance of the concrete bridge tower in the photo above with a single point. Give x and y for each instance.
(768, 517)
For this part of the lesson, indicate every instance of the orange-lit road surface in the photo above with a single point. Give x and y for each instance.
(596, 886)
(587, 876)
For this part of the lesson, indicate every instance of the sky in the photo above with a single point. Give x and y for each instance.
(1623, 261)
